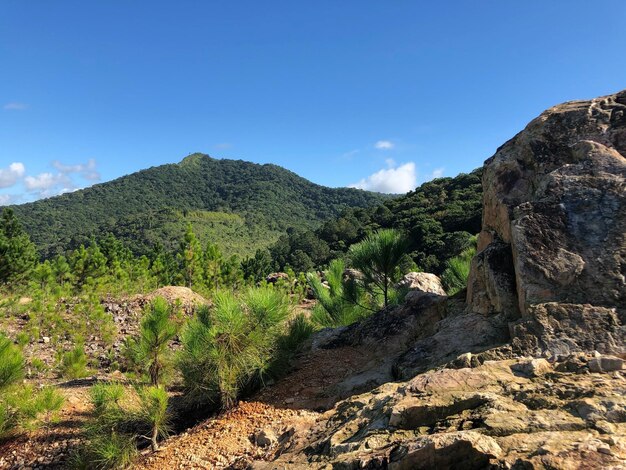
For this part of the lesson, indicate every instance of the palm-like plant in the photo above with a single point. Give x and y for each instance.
(342, 302)
(378, 257)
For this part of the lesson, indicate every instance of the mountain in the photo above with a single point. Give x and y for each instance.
(440, 217)
(239, 205)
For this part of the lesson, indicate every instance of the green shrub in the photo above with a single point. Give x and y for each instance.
(342, 302)
(299, 330)
(74, 364)
(227, 346)
(106, 395)
(105, 451)
(9, 419)
(379, 258)
(11, 363)
(457, 271)
(38, 365)
(153, 411)
(22, 338)
(48, 401)
(20, 406)
(151, 348)
(119, 424)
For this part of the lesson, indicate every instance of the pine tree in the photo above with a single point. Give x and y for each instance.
(213, 264)
(190, 257)
(378, 257)
(62, 271)
(17, 253)
(151, 348)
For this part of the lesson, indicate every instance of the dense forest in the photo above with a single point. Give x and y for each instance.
(439, 217)
(241, 206)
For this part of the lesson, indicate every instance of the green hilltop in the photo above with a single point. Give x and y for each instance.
(238, 205)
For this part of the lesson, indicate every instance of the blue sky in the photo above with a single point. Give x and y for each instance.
(384, 95)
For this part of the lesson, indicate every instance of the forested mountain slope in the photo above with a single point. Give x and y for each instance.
(440, 217)
(240, 204)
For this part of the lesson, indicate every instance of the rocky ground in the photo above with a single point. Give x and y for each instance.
(523, 413)
(51, 446)
(253, 431)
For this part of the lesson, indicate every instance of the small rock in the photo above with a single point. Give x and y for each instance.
(606, 364)
(45, 339)
(463, 361)
(605, 427)
(265, 438)
(532, 367)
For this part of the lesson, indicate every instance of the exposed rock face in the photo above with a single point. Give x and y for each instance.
(555, 207)
(503, 414)
(491, 285)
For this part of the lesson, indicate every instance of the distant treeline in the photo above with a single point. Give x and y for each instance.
(440, 217)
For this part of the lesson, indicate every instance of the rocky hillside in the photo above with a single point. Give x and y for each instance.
(526, 372)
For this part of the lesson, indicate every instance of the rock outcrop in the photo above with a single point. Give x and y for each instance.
(503, 414)
(529, 371)
(553, 240)
(420, 285)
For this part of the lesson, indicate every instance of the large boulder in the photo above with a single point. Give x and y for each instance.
(554, 229)
(420, 285)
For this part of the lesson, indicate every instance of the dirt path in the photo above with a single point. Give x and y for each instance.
(293, 404)
(251, 431)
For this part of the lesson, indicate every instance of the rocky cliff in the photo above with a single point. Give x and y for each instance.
(553, 240)
(528, 372)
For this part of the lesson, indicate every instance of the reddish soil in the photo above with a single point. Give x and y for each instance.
(229, 440)
(50, 448)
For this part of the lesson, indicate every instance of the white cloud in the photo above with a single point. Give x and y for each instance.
(437, 173)
(14, 106)
(45, 181)
(7, 199)
(45, 184)
(350, 154)
(56, 192)
(10, 175)
(400, 179)
(384, 145)
(86, 170)
(223, 146)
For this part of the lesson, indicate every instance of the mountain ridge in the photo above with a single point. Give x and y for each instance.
(269, 195)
